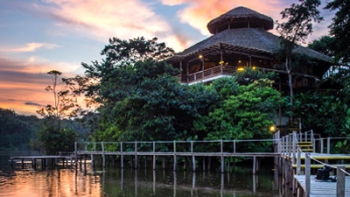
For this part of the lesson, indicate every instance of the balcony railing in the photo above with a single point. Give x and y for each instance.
(208, 73)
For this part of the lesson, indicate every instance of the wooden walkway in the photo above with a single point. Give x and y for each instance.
(323, 188)
(43, 158)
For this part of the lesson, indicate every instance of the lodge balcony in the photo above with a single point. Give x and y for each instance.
(207, 74)
(300, 80)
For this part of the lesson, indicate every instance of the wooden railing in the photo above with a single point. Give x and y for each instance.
(193, 149)
(208, 73)
(291, 150)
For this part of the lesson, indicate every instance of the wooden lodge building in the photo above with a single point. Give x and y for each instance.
(241, 40)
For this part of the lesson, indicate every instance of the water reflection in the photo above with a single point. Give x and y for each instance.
(142, 182)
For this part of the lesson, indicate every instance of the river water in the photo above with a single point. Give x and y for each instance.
(63, 182)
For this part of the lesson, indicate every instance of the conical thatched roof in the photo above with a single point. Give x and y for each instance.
(246, 40)
(239, 15)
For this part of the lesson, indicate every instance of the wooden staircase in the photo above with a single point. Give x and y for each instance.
(306, 146)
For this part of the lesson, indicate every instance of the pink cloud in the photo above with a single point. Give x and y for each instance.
(110, 18)
(198, 13)
(29, 47)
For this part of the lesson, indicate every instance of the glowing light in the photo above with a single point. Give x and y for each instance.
(200, 56)
(273, 128)
(254, 67)
(240, 69)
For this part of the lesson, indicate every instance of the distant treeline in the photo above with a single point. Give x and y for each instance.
(20, 132)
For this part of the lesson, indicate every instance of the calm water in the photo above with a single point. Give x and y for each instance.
(129, 182)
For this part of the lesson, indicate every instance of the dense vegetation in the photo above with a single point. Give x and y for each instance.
(137, 96)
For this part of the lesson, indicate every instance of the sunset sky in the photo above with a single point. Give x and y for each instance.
(37, 36)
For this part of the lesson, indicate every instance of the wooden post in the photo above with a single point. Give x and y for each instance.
(121, 155)
(222, 156)
(234, 146)
(340, 181)
(328, 145)
(278, 141)
(154, 156)
(174, 168)
(294, 146)
(254, 165)
(307, 174)
(312, 140)
(287, 145)
(136, 159)
(298, 162)
(203, 164)
(103, 155)
(193, 158)
(306, 136)
(76, 154)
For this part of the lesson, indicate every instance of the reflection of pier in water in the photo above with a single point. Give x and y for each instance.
(224, 187)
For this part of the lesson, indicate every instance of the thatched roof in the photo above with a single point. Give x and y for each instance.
(238, 16)
(245, 40)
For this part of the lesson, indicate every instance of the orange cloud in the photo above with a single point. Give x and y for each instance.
(22, 85)
(198, 13)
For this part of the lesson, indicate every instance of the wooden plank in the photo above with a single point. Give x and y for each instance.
(321, 165)
(322, 188)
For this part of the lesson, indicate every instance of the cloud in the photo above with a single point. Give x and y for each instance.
(198, 13)
(110, 18)
(22, 85)
(29, 47)
(32, 103)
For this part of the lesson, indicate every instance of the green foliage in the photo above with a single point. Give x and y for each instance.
(324, 112)
(53, 136)
(246, 113)
(323, 45)
(250, 75)
(155, 108)
(298, 25)
(54, 140)
(16, 130)
(340, 29)
(295, 29)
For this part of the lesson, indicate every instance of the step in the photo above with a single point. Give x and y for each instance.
(347, 166)
(307, 149)
(305, 143)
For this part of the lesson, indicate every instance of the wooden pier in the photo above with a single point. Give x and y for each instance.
(321, 188)
(175, 149)
(300, 152)
(295, 155)
(44, 160)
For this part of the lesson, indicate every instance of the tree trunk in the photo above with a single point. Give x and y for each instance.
(290, 83)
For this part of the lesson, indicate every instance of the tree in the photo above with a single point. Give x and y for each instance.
(242, 112)
(139, 96)
(295, 30)
(155, 107)
(323, 45)
(65, 105)
(16, 130)
(52, 136)
(340, 29)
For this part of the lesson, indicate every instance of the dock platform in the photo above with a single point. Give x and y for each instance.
(322, 188)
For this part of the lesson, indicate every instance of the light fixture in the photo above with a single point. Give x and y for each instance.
(200, 56)
(240, 69)
(272, 128)
(254, 67)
